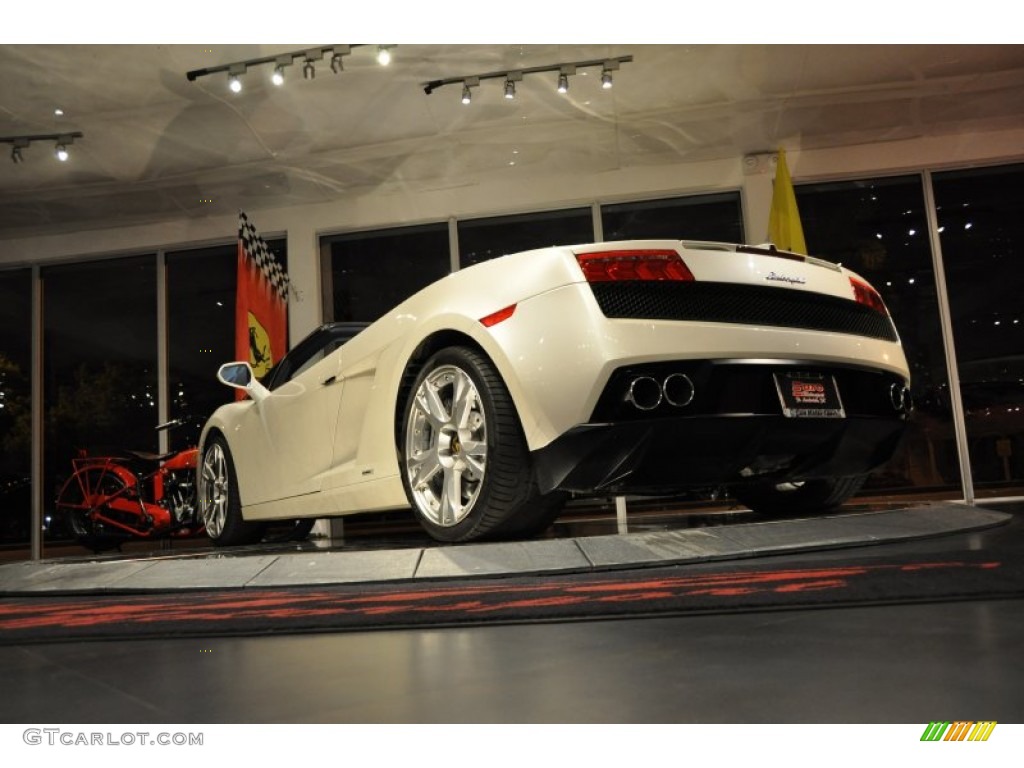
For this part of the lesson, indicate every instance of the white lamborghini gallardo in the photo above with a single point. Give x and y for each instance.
(641, 367)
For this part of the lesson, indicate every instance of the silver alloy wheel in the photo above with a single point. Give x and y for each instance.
(214, 487)
(446, 446)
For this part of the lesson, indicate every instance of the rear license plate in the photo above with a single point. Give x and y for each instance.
(809, 396)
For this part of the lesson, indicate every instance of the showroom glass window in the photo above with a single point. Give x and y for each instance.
(368, 273)
(201, 330)
(99, 360)
(717, 217)
(876, 227)
(484, 239)
(15, 406)
(980, 213)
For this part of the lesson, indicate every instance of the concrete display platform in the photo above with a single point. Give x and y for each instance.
(221, 569)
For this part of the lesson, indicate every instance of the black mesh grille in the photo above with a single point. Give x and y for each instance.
(744, 304)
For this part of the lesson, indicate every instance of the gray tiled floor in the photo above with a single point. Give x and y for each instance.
(540, 556)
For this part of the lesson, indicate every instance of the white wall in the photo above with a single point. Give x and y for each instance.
(387, 207)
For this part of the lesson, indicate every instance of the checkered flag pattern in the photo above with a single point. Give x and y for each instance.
(256, 249)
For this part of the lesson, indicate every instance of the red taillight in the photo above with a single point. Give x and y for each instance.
(606, 266)
(496, 317)
(868, 296)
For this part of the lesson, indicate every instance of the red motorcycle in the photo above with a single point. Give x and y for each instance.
(110, 499)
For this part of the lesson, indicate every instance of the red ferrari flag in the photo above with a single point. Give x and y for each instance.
(261, 304)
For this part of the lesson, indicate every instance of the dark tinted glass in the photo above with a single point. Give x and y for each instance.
(372, 272)
(877, 228)
(100, 366)
(484, 239)
(980, 212)
(705, 217)
(15, 405)
(201, 329)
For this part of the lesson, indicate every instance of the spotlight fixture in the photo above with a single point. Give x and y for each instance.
(467, 85)
(510, 84)
(234, 74)
(279, 64)
(309, 56)
(563, 77)
(21, 143)
(565, 71)
(337, 65)
(606, 73)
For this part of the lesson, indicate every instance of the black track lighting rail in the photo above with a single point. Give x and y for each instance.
(516, 73)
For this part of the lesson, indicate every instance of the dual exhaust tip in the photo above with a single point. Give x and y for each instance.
(899, 396)
(646, 393)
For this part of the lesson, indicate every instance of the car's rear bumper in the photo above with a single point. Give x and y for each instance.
(667, 455)
(726, 425)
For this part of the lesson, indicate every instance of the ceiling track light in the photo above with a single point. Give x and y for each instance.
(308, 56)
(606, 73)
(563, 77)
(510, 84)
(468, 84)
(277, 78)
(235, 72)
(60, 150)
(565, 70)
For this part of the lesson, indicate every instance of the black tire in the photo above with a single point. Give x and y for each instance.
(495, 481)
(289, 530)
(822, 495)
(536, 516)
(220, 505)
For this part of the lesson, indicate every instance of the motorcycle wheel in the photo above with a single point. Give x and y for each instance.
(85, 494)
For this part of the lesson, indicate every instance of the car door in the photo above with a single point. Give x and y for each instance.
(294, 424)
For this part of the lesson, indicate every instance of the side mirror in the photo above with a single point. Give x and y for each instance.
(240, 376)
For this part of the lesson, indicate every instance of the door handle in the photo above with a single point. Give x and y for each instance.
(330, 380)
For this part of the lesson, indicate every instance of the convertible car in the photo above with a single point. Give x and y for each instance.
(645, 368)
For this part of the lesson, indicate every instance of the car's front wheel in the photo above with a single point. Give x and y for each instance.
(465, 463)
(821, 495)
(219, 503)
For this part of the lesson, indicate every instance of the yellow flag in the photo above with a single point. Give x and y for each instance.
(784, 228)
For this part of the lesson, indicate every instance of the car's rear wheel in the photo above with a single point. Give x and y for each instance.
(219, 503)
(465, 463)
(821, 495)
